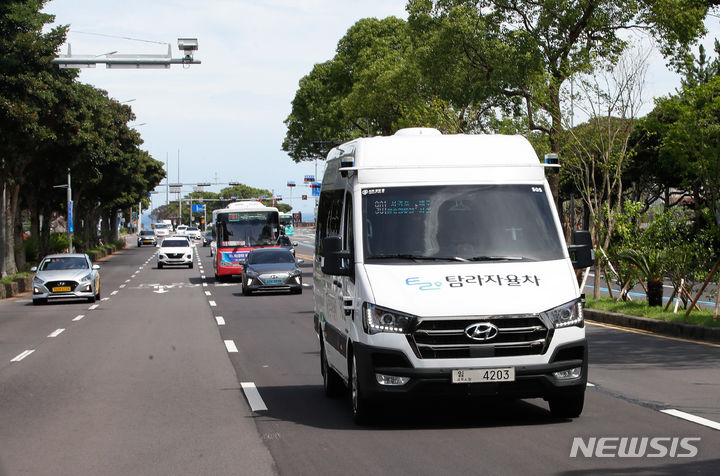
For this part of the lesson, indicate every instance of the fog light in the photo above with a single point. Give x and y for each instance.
(36, 291)
(568, 374)
(391, 380)
(88, 288)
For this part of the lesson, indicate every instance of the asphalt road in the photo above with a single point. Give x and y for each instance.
(177, 374)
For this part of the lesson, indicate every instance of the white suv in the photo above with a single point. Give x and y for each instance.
(175, 251)
(193, 232)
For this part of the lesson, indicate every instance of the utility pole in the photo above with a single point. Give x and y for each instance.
(69, 210)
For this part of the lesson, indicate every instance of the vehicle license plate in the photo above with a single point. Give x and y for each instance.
(273, 281)
(61, 289)
(505, 374)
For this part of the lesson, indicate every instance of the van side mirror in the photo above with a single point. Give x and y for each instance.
(581, 250)
(333, 257)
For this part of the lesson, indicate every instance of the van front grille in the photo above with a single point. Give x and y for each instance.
(496, 336)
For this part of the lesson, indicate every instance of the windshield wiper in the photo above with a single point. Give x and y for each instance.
(416, 257)
(496, 258)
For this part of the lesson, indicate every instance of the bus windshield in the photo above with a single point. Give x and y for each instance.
(247, 229)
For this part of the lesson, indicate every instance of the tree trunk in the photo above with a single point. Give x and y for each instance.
(654, 292)
(12, 194)
(20, 259)
(598, 273)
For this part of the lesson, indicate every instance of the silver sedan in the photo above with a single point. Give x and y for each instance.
(66, 276)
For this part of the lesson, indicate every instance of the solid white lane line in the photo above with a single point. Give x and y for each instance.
(77, 318)
(57, 333)
(212, 303)
(19, 357)
(253, 396)
(693, 418)
(220, 320)
(230, 346)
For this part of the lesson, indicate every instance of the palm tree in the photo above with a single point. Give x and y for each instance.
(650, 265)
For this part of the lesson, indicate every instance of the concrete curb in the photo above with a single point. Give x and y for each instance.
(671, 329)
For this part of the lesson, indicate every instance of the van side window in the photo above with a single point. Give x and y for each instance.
(348, 229)
(328, 219)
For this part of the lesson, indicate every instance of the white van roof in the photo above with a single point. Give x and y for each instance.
(426, 155)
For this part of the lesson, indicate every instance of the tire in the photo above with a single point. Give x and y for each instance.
(332, 383)
(246, 291)
(139, 245)
(91, 300)
(362, 408)
(97, 295)
(39, 302)
(296, 291)
(190, 266)
(160, 265)
(570, 406)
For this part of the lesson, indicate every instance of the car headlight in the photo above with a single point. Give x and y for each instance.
(87, 277)
(378, 319)
(37, 280)
(251, 273)
(294, 273)
(567, 315)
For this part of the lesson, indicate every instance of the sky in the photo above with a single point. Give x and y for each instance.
(222, 121)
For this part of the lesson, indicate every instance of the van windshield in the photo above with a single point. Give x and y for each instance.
(459, 223)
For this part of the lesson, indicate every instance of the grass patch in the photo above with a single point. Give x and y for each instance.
(641, 309)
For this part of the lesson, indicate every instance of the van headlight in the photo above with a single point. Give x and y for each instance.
(378, 319)
(567, 315)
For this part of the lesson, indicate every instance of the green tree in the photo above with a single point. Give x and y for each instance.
(517, 55)
(28, 85)
(372, 86)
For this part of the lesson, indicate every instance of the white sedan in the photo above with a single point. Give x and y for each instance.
(175, 251)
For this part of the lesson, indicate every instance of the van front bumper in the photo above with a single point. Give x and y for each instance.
(531, 381)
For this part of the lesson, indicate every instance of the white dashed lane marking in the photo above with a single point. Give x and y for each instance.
(693, 418)
(19, 357)
(253, 396)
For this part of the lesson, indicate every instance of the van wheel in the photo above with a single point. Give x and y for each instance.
(332, 383)
(570, 406)
(362, 408)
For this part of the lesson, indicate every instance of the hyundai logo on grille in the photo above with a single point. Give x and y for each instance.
(481, 331)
